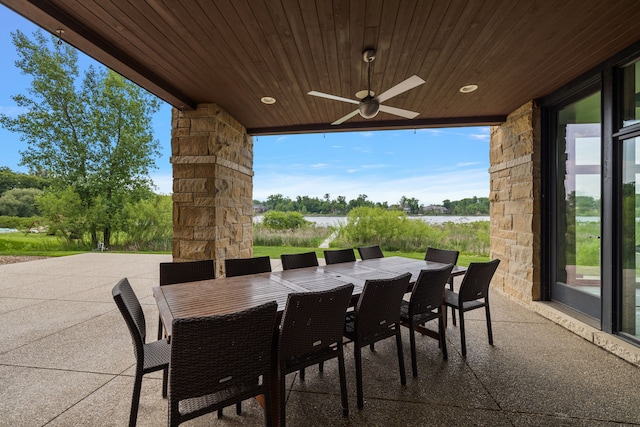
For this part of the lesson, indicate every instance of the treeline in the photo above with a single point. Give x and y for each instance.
(33, 203)
(340, 205)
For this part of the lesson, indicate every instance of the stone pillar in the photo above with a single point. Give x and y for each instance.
(515, 203)
(212, 158)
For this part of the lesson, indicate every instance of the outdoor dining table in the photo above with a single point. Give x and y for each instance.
(229, 295)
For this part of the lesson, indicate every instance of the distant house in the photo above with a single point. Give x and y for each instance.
(435, 209)
(259, 208)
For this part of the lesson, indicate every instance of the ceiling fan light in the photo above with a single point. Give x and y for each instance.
(368, 108)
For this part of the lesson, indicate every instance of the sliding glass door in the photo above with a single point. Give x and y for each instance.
(577, 217)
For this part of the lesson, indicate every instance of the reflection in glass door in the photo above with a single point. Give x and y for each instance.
(630, 322)
(577, 267)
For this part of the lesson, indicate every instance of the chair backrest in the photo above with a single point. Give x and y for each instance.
(370, 252)
(244, 266)
(339, 255)
(428, 291)
(475, 283)
(313, 321)
(189, 271)
(291, 261)
(441, 255)
(379, 305)
(130, 308)
(211, 354)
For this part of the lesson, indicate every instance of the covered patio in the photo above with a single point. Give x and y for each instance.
(66, 358)
(223, 64)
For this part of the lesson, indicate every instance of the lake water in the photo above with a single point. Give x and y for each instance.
(7, 230)
(335, 220)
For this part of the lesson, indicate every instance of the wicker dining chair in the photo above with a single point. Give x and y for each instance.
(339, 255)
(310, 333)
(443, 256)
(377, 317)
(182, 272)
(425, 304)
(306, 259)
(243, 266)
(150, 357)
(370, 252)
(217, 361)
(473, 294)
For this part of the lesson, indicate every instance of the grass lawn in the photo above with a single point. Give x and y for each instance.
(43, 245)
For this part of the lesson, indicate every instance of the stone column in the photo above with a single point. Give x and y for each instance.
(515, 203)
(212, 158)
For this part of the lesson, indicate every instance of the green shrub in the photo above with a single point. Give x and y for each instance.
(394, 231)
(275, 220)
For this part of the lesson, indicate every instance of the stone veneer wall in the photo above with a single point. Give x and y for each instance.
(515, 203)
(212, 158)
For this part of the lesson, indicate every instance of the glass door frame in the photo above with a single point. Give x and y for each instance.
(557, 291)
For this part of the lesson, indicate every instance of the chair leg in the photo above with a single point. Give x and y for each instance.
(412, 341)
(343, 382)
(160, 329)
(358, 357)
(403, 376)
(165, 381)
(463, 339)
(453, 309)
(302, 374)
(321, 367)
(268, 414)
(239, 408)
(135, 400)
(283, 420)
(441, 333)
(372, 346)
(220, 414)
(489, 332)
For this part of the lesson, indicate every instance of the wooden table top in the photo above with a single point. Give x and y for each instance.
(228, 295)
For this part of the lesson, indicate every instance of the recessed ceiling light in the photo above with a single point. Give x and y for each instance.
(268, 100)
(468, 88)
(362, 93)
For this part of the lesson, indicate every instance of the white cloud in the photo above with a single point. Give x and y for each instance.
(164, 182)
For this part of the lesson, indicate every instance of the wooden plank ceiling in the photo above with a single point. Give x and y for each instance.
(234, 52)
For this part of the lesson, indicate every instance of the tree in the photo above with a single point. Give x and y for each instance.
(19, 202)
(93, 138)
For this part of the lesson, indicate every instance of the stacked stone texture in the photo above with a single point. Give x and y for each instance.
(515, 203)
(212, 158)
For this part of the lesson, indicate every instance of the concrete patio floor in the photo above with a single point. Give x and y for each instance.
(66, 359)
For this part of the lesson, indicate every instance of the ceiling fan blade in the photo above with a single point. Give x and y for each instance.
(335, 98)
(401, 87)
(399, 112)
(345, 118)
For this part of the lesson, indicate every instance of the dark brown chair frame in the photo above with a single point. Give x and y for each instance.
(473, 294)
(244, 266)
(370, 252)
(150, 357)
(377, 317)
(218, 361)
(444, 256)
(311, 333)
(337, 256)
(293, 261)
(425, 304)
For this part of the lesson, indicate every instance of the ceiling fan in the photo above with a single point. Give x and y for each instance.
(369, 106)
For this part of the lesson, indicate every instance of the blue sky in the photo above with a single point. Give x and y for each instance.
(429, 164)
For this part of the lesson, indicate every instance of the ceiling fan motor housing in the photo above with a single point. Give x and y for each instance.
(368, 107)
